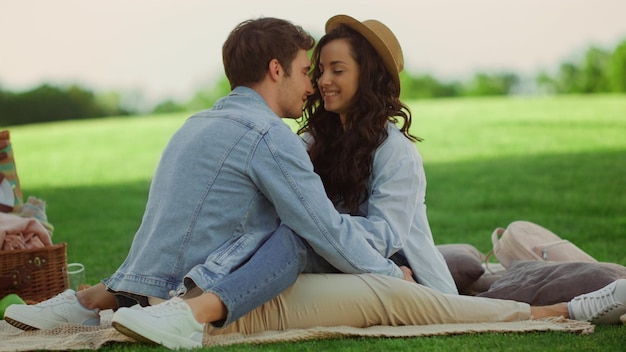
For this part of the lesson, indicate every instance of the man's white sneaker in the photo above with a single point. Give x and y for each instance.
(604, 306)
(61, 309)
(170, 324)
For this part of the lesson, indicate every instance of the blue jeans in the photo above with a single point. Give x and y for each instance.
(272, 268)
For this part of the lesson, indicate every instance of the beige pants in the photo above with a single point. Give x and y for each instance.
(367, 300)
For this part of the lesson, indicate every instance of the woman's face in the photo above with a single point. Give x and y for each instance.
(339, 77)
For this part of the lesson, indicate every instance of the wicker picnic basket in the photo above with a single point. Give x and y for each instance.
(34, 274)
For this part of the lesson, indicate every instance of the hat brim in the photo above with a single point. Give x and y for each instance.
(381, 47)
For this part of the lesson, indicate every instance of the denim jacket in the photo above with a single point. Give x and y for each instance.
(225, 181)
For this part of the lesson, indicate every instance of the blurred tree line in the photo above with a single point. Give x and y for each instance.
(55, 103)
(596, 71)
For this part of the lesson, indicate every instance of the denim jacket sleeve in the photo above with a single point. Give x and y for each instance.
(282, 170)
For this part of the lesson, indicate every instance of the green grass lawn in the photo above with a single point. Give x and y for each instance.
(559, 162)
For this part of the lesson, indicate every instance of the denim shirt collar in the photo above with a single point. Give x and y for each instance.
(249, 92)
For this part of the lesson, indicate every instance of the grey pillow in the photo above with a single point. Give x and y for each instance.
(542, 283)
(465, 264)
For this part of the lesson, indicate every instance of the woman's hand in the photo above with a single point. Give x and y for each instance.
(407, 274)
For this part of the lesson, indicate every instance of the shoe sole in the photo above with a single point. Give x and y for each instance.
(132, 333)
(20, 325)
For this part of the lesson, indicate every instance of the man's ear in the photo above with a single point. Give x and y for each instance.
(275, 70)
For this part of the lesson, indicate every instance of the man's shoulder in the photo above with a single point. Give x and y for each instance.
(242, 110)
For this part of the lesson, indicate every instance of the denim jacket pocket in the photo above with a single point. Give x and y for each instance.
(234, 252)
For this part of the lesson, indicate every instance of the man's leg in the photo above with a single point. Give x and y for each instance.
(69, 307)
(177, 323)
(272, 268)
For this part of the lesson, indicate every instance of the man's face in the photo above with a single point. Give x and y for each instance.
(295, 88)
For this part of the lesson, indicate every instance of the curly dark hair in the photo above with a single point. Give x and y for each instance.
(342, 156)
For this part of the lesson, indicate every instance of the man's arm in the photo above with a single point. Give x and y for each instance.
(283, 171)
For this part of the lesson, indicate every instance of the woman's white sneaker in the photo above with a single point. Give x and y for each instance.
(61, 309)
(602, 307)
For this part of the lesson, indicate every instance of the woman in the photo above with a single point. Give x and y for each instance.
(370, 166)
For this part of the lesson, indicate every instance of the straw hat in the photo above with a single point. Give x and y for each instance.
(382, 39)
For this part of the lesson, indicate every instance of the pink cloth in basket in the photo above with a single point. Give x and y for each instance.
(17, 232)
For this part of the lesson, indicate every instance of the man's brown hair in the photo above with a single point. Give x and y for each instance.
(254, 43)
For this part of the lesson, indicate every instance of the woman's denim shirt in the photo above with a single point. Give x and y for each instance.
(397, 190)
(397, 195)
(225, 181)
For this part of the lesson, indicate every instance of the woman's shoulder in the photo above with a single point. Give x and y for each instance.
(396, 153)
(397, 146)
(396, 141)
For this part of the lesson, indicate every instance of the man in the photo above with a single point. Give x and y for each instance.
(230, 179)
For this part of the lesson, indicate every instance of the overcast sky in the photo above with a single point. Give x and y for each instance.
(171, 47)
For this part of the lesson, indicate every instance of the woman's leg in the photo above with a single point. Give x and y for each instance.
(367, 300)
(554, 310)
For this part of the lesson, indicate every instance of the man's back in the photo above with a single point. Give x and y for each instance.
(206, 184)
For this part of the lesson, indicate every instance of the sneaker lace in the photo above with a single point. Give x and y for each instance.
(600, 304)
(171, 305)
(60, 298)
